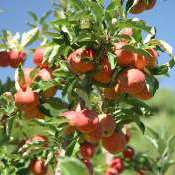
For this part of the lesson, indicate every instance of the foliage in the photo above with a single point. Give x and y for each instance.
(86, 31)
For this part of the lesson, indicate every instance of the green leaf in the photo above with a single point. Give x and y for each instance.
(113, 5)
(71, 147)
(29, 37)
(44, 17)
(141, 126)
(137, 50)
(150, 35)
(141, 107)
(21, 77)
(48, 52)
(9, 126)
(67, 91)
(100, 2)
(61, 22)
(72, 166)
(3, 135)
(97, 11)
(156, 140)
(152, 133)
(33, 15)
(171, 143)
(7, 106)
(167, 48)
(130, 4)
(152, 84)
(53, 53)
(82, 94)
(54, 106)
(139, 24)
(165, 68)
(51, 123)
(50, 156)
(78, 4)
(65, 4)
(41, 86)
(112, 60)
(34, 72)
(163, 44)
(153, 141)
(160, 70)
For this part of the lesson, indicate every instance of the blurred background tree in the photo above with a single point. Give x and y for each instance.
(163, 122)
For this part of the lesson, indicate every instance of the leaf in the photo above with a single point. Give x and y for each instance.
(34, 72)
(3, 135)
(51, 123)
(167, 48)
(59, 75)
(61, 22)
(153, 141)
(54, 106)
(53, 53)
(165, 68)
(112, 60)
(82, 94)
(42, 86)
(150, 35)
(47, 52)
(160, 70)
(60, 14)
(44, 17)
(77, 4)
(33, 15)
(29, 37)
(97, 11)
(65, 5)
(113, 5)
(20, 75)
(12, 40)
(67, 91)
(71, 147)
(137, 24)
(156, 140)
(163, 44)
(141, 126)
(7, 105)
(100, 2)
(9, 126)
(171, 143)
(50, 156)
(142, 108)
(152, 84)
(130, 4)
(167, 165)
(137, 50)
(72, 166)
(138, 103)
(152, 133)
(31, 25)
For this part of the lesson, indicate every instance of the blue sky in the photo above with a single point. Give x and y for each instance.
(15, 17)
